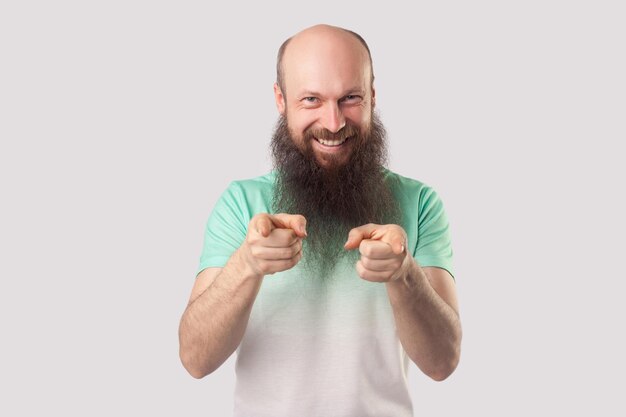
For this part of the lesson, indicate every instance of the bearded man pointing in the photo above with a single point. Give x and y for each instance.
(330, 272)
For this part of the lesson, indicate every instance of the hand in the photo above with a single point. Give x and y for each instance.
(383, 251)
(274, 242)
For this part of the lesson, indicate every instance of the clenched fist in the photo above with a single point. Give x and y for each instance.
(274, 242)
(383, 251)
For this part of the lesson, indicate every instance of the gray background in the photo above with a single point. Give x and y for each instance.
(122, 121)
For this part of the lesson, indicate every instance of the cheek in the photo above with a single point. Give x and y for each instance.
(361, 122)
(360, 117)
(296, 132)
(299, 122)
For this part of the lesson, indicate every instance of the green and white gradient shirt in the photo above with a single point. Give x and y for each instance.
(327, 347)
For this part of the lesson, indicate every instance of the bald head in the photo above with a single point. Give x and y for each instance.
(323, 43)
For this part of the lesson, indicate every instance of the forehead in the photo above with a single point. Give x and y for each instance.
(326, 62)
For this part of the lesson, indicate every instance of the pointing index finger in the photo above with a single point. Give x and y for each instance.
(393, 235)
(296, 222)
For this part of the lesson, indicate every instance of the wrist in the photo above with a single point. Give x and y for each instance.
(243, 266)
(408, 276)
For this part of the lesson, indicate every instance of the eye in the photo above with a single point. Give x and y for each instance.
(351, 99)
(310, 101)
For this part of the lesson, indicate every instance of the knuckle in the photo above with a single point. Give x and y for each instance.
(255, 251)
(257, 217)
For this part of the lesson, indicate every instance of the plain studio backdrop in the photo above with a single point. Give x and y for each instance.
(121, 122)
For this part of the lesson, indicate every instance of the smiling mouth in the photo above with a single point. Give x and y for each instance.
(332, 142)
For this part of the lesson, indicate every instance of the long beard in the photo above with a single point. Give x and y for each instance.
(336, 198)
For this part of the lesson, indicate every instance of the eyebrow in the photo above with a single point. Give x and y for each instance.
(355, 90)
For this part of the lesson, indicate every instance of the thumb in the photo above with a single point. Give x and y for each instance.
(394, 237)
(356, 235)
(398, 247)
(264, 224)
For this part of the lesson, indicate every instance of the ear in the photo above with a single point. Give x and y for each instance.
(373, 96)
(280, 99)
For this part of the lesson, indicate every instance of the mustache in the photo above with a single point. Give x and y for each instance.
(344, 133)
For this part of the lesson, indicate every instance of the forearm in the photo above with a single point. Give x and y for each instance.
(429, 329)
(213, 324)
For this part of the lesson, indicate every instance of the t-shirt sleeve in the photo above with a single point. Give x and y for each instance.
(225, 230)
(434, 246)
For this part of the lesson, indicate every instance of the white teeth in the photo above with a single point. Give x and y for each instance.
(331, 142)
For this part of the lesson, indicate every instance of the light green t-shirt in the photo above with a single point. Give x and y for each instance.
(323, 347)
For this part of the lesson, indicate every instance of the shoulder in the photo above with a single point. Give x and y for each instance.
(251, 195)
(410, 189)
(260, 184)
(266, 180)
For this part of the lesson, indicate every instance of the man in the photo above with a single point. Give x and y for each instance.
(330, 272)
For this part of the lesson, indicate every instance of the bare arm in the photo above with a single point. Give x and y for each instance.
(425, 308)
(216, 317)
(424, 300)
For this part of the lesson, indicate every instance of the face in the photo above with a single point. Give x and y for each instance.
(328, 97)
(329, 146)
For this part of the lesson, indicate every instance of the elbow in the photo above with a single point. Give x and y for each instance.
(442, 373)
(196, 370)
(197, 373)
(444, 368)
(440, 366)
(192, 359)
(446, 364)
(437, 369)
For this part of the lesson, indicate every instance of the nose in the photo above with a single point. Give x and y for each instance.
(332, 118)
